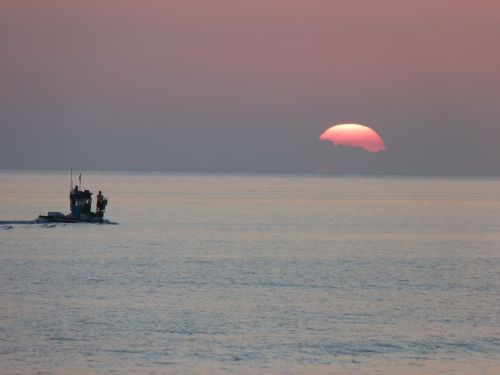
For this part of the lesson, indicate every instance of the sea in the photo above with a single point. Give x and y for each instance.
(251, 274)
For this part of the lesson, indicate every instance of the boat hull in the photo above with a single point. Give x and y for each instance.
(95, 218)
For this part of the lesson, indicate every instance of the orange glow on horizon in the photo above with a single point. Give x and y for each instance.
(354, 135)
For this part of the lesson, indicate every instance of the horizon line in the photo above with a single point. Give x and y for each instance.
(250, 173)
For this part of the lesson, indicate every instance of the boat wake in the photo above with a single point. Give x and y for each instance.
(12, 222)
(105, 221)
(9, 224)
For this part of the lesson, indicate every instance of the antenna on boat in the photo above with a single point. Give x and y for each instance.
(71, 180)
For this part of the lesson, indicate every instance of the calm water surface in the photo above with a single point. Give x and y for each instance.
(225, 274)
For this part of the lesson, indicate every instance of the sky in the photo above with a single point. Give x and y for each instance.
(249, 86)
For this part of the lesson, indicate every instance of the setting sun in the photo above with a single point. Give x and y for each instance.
(354, 135)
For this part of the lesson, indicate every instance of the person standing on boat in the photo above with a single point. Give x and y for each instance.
(100, 202)
(72, 196)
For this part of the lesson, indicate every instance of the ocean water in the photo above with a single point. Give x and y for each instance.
(251, 274)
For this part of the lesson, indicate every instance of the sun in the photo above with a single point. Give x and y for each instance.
(354, 135)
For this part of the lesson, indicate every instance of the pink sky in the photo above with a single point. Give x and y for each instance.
(226, 78)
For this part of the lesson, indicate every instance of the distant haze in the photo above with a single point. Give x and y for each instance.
(248, 86)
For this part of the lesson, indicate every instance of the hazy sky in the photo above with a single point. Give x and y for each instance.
(249, 86)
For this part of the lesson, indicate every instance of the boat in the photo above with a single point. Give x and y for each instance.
(80, 203)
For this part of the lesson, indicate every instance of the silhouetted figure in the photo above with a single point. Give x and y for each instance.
(72, 197)
(101, 202)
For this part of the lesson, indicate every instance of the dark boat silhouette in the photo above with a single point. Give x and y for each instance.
(80, 203)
